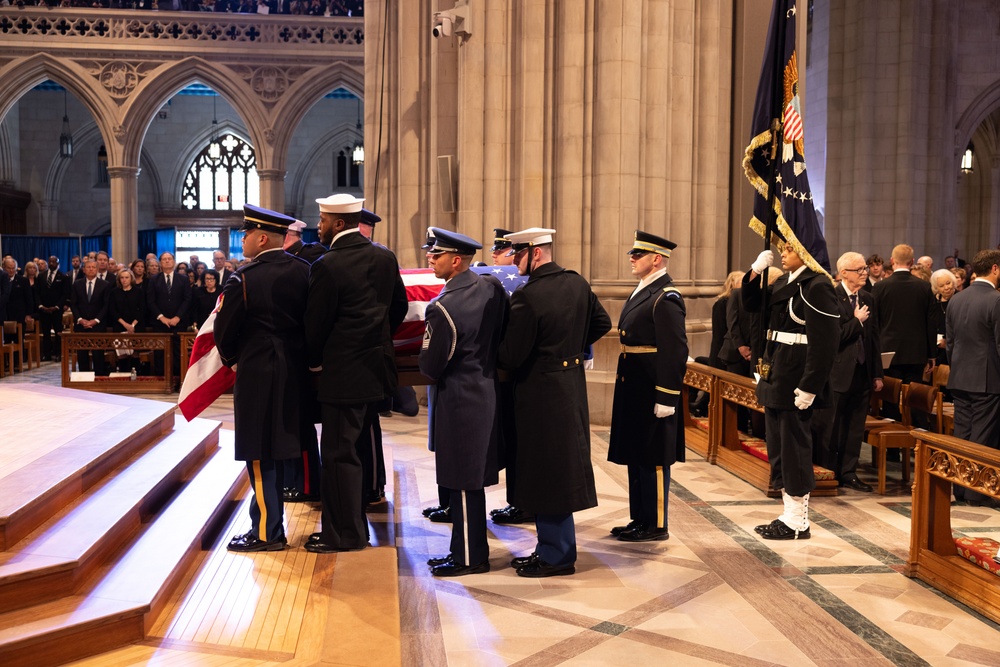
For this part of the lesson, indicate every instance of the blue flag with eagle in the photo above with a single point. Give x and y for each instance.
(777, 113)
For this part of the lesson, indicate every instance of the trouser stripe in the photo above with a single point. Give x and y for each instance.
(660, 492)
(258, 495)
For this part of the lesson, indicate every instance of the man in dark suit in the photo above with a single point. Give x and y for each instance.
(876, 272)
(356, 300)
(856, 371)
(260, 329)
(75, 272)
(553, 318)
(972, 329)
(219, 264)
(906, 309)
(53, 287)
(803, 332)
(294, 246)
(647, 427)
(464, 326)
(168, 299)
(89, 302)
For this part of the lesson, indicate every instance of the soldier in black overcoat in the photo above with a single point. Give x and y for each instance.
(465, 323)
(356, 300)
(553, 318)
(802, 340)
(260, 329)
(647, 427)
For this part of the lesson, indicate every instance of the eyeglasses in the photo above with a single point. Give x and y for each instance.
(863, 269)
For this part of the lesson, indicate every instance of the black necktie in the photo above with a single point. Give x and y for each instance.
(859, 345)
(90, 290)
(50, 279)
(168, 282)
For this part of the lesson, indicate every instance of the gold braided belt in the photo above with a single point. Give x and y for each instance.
(638, 349)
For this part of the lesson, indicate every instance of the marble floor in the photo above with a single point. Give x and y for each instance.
(715, 593)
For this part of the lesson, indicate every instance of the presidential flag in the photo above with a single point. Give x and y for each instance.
(777, 148)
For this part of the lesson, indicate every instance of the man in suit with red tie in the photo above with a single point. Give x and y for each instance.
(972, 329)
(647, 432)
(857, 370)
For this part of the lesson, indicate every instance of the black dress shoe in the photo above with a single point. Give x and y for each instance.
(618, 530)
(501, 509)
(518, 563)
(777, 530)
(250, 542)
(512, 515)
(319, 547)
(440, 560)
(643, 534)
(290, 495)
(452, 569)
(441, 516)
(856, 484)
(375, 496)
(430, 510)
(314, 537)
(540, 569)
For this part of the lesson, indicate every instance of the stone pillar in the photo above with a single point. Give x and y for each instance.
(124, 212)
(272, 189)
(987, 232)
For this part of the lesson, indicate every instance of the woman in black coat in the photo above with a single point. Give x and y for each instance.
(204, 297)
(126, 305)
(23, 302)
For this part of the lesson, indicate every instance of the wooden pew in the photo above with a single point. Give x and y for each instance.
(943, 460)
(726, 446)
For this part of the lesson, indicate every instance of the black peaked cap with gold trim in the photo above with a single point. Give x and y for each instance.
(499, 242)
(255, 217)
(646, 242)
(446, 241)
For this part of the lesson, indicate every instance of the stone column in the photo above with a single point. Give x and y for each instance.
(272, 189)
(992, 222)
(124, 212)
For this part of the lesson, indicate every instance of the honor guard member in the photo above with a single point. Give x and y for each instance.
(553, 318)
(501, 248)
(647, 429)
(259, 328)
(295, 246)
(803, 336)
(502, 256)
(356, 301)
(464, 326)
(439, 513)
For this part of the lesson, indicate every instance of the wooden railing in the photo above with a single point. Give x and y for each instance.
(722, 446)
(941, 461)
(144, 347)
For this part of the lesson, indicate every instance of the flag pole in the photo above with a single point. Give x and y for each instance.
(770, 223)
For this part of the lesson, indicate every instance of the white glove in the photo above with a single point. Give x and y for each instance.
(662, 411)
(803, 399)
(588, 364)
(764, 260)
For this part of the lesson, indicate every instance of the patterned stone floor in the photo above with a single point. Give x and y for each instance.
(715, 593)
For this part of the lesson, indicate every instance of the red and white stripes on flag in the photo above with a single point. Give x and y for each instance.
(421, 287)
(207, 378)
(792, 123)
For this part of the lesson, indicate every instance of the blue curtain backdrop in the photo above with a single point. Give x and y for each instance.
(157, 241)
(96, 244)
(24, 248)
(235, 244)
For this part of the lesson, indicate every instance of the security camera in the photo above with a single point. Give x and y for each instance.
(452, 21)
(443, 22)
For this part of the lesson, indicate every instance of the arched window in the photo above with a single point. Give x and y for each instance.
(223, 177)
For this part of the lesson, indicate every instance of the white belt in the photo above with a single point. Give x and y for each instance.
(787, 338)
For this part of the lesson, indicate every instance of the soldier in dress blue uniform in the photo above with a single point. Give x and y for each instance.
(803, 336)
(260, 329)
(647, 429)
(464, 326)
(553, 318)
